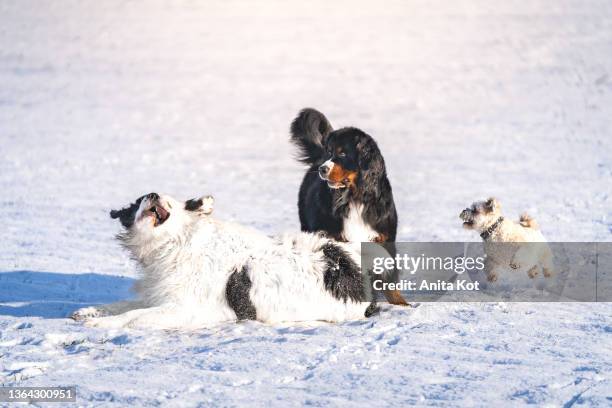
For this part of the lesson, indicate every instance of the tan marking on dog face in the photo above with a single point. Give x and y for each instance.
(381, 238)
(339, 175)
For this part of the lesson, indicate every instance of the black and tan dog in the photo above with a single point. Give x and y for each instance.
(345, 192)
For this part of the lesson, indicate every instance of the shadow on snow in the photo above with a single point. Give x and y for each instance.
(56, 295)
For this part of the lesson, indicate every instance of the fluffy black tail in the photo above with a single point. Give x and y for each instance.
(308, 133)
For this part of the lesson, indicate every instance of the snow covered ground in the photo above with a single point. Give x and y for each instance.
(103, 101)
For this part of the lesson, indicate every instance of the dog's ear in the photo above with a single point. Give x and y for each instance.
(369, 154)
(371, 163)
(208, 204)
(371, 166)
(114, 214)
(492, 204)
(309, 132)
(126, 215)
(202, 204)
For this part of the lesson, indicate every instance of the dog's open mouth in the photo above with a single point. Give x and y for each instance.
(337, 184)
(333, 185)
(467, 217)
(160, 213)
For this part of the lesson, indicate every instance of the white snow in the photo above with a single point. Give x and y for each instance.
(103, 101)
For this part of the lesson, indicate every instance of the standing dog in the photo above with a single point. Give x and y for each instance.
(506, 243)
(197, 271)
(345, 192)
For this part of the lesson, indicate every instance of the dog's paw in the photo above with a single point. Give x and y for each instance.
(86, 313)
(492, 277)
(533, 272)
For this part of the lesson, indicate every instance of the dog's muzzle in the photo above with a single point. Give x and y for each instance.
(324, 170)
(156, 209)
(467, 216)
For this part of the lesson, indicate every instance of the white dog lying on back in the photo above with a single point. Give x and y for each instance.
(197, 271)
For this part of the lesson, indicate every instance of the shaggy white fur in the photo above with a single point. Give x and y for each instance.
(520, 246)
(188, 258)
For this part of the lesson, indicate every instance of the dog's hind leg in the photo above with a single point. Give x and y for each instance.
(394, 297)
(110, 309)
(533, 272)
(165, 317)
(547, 272)
(116, 321)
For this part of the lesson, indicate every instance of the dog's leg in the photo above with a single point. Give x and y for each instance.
(110, 309)
(162, 317)
(168, 318)
(117, 321)
(515, 262)
(523, 256)
(165, 317)
(491, 270)
(394, 297)
(548, 267)
(533, 272)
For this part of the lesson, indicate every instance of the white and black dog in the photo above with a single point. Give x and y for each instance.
(198, 271)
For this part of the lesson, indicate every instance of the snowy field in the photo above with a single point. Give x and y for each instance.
(101, 102)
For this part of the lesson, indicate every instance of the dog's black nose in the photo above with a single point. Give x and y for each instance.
(153, 196)
(323, 170)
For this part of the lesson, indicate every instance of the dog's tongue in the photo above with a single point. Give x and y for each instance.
(163, 214)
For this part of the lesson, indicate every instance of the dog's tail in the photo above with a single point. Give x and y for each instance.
(308, 132)
(528, 222)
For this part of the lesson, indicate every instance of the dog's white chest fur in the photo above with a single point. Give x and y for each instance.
(355, 228)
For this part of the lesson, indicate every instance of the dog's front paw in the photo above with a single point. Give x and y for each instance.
(86, 313)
